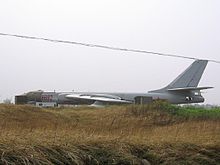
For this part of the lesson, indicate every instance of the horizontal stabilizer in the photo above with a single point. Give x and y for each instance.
(189, 89)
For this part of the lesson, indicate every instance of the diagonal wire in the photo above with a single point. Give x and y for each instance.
(102, 46)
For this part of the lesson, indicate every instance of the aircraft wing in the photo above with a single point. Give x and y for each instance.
(189, 89)
(98, 97)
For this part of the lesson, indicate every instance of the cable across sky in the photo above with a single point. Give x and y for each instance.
(103, 46)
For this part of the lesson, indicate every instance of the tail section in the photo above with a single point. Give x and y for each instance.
(189, 78)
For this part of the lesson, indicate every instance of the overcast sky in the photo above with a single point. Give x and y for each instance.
(187, 27)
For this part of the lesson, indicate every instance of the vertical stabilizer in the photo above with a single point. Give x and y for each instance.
(189, 78)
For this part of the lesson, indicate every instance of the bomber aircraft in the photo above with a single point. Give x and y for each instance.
(184, 89)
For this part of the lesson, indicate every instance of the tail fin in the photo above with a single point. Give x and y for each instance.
(189, 78)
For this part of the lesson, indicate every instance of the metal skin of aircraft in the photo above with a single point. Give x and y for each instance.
(184, 89)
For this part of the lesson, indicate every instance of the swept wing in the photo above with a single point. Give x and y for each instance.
(98, 97)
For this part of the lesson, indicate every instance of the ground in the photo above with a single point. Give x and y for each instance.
(158, 133)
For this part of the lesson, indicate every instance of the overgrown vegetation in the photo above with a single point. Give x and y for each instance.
(157, 133)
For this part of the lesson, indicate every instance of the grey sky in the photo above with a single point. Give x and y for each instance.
(189, 28)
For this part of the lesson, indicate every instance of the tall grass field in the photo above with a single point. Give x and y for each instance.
(158, 133)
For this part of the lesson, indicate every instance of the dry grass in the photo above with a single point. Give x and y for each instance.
(117, 131)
